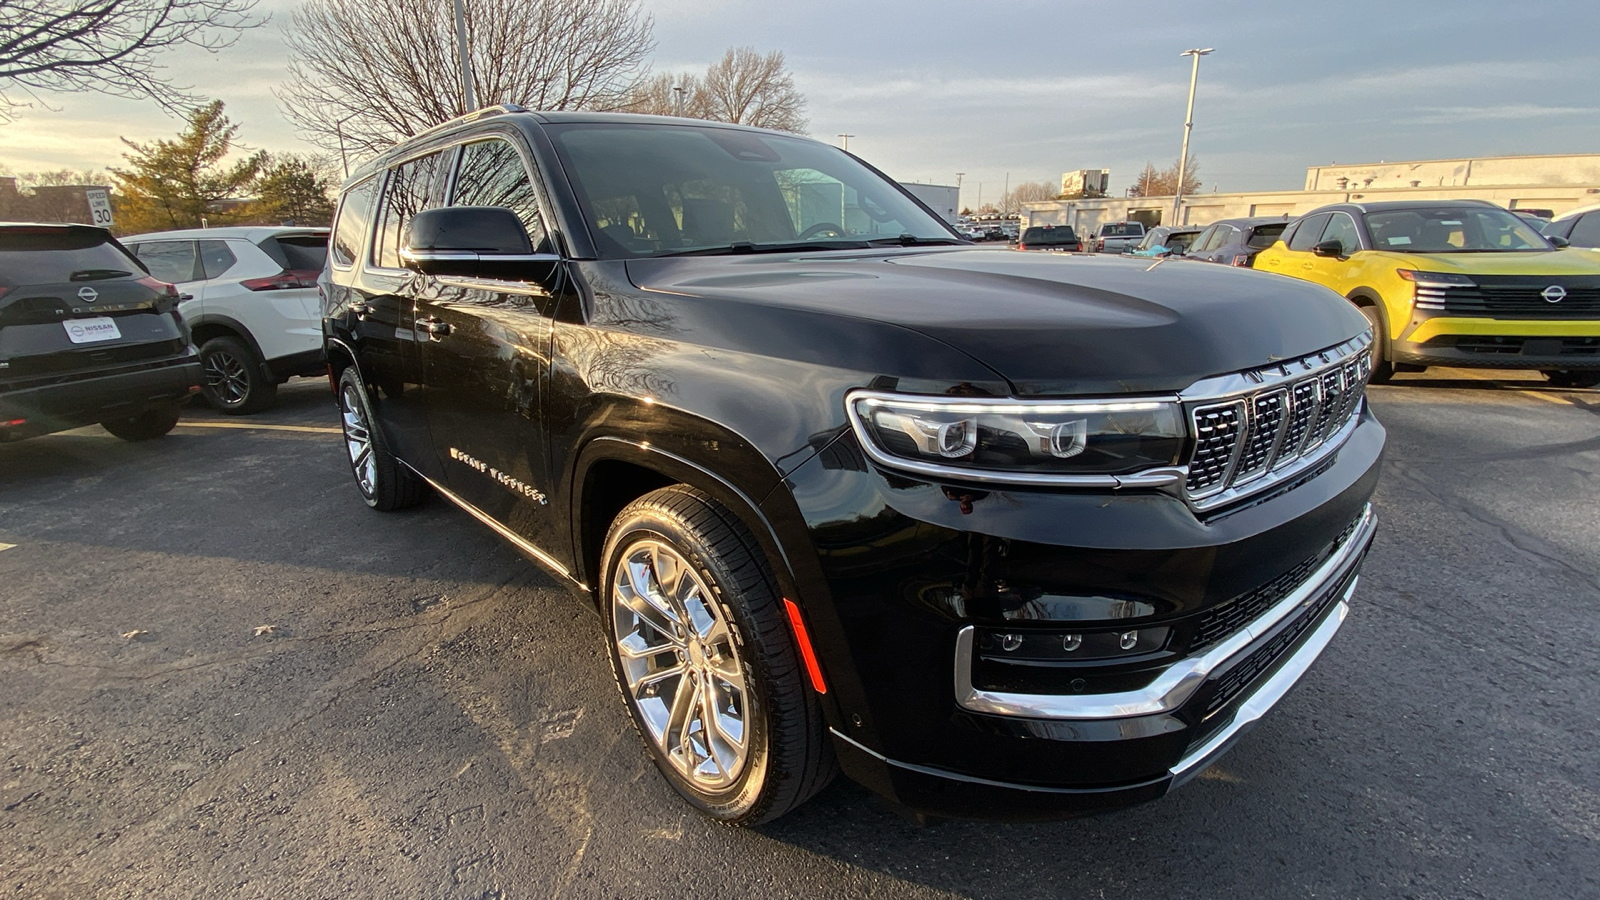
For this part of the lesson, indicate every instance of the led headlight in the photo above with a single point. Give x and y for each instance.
(1019, 441)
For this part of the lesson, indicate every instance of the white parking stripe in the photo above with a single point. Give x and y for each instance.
(5, 547)
(307, 429)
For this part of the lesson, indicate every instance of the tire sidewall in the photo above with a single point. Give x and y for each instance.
(746, 793)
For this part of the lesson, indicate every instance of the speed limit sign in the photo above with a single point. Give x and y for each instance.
(99, 207)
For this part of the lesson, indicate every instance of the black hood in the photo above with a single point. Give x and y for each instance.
(1048, 324)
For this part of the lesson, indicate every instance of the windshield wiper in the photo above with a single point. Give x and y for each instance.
(741, 247)
(97, 274)
(911, 240)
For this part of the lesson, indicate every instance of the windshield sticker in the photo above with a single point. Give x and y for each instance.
(1400, 241)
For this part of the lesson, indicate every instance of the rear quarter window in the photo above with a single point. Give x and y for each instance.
(1264, 236)
(354, 221)
(306, 252)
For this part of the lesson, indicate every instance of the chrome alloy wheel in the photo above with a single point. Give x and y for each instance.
(358, 439)
(683, 673)
(226, 377)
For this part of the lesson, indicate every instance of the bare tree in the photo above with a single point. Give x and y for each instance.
(1027, 192)
(660, 96)
(1153, 182)
(750, 88)
(108, 46)
(363, 76)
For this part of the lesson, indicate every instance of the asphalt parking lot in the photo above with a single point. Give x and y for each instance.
(221, 675)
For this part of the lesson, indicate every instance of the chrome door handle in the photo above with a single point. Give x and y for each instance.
(436, 328)
(362, 309)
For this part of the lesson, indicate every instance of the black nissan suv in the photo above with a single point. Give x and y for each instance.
(86, 336)
(1000, 535)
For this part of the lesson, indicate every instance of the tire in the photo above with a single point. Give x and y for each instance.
(385, 484)
(1568, 378)
(147, 426)
(685, 587)
(1382, 366)
(234, 381)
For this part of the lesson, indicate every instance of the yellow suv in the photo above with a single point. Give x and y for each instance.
(1452, 283)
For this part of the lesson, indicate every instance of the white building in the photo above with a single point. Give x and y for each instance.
(944, 199)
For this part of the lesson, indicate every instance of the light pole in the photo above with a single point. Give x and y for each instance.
(677, 101)
(469, 100)
(1188, 126)
(958, 190)
(844, 141)
(338, 129)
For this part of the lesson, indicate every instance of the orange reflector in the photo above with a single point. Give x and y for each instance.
(806, 653)
(13, 422)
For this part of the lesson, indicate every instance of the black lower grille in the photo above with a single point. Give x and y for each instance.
(1226, 688)
(1227, 617)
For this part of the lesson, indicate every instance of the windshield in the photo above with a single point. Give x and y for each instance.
(660, 190)
(1179, 241)
(1452, 230)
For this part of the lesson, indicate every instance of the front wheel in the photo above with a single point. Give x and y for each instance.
(1567, 378)
(703, 656)
(146, 426)
(1382, 366)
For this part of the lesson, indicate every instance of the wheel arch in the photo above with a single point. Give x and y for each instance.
(204, 327)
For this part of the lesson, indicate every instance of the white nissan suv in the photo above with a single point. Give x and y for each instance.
(250, 298)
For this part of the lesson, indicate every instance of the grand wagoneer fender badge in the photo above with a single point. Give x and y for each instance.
(514, 485)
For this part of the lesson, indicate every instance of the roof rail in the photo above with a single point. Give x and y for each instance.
(475, 115)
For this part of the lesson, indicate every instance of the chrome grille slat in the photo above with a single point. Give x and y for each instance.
(1256, 428)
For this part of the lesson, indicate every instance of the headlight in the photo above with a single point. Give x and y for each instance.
(1019, 441)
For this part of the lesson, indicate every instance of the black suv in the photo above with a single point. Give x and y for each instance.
(1000, 534)
(86, 336)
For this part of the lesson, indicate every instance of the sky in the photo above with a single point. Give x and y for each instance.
(1024, 91)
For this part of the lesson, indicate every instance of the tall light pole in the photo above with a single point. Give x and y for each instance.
(958, 190)
(469, 100)
(1188, 126)
(677, 105)
(844, 140)
(338, 128)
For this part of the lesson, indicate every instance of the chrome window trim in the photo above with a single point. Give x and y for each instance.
(1173, 687)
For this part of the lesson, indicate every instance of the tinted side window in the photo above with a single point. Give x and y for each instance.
(1586, 232)
(350, 231)
(1264, 236)
(168, 260)
(412, 188)
(492, 174)
(216, 258)
(1342, 228)
(1308, 232)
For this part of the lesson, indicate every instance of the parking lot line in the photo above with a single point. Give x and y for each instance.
(307, 429)
(1548, 398)
(5, 547)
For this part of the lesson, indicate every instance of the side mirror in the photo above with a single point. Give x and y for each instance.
(474, 242)
(1558, 242)
(1329, 248)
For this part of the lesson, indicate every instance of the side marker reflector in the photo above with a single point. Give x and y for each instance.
(802, 637)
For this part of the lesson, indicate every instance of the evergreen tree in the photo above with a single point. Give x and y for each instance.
(183, 183)
(293, 190)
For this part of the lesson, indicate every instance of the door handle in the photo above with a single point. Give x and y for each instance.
(436, 328)
(362, 309)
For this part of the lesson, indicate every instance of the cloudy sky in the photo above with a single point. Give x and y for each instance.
(1027, 90)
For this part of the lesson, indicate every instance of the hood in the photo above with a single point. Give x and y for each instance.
(1050, 325)
(1536, 263)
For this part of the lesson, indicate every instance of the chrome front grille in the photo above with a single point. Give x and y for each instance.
(1255, 428)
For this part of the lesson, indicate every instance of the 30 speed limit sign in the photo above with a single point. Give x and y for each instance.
(99, 207)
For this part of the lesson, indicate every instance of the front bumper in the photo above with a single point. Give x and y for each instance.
(1445, 340)
(86, 398)
(908, 567)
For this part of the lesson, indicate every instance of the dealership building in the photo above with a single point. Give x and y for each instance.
(1553, 184)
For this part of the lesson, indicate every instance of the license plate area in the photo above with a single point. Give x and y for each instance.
(92, 330)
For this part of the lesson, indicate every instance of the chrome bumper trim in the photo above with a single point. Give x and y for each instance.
(1178, 683)
(1266, 697)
